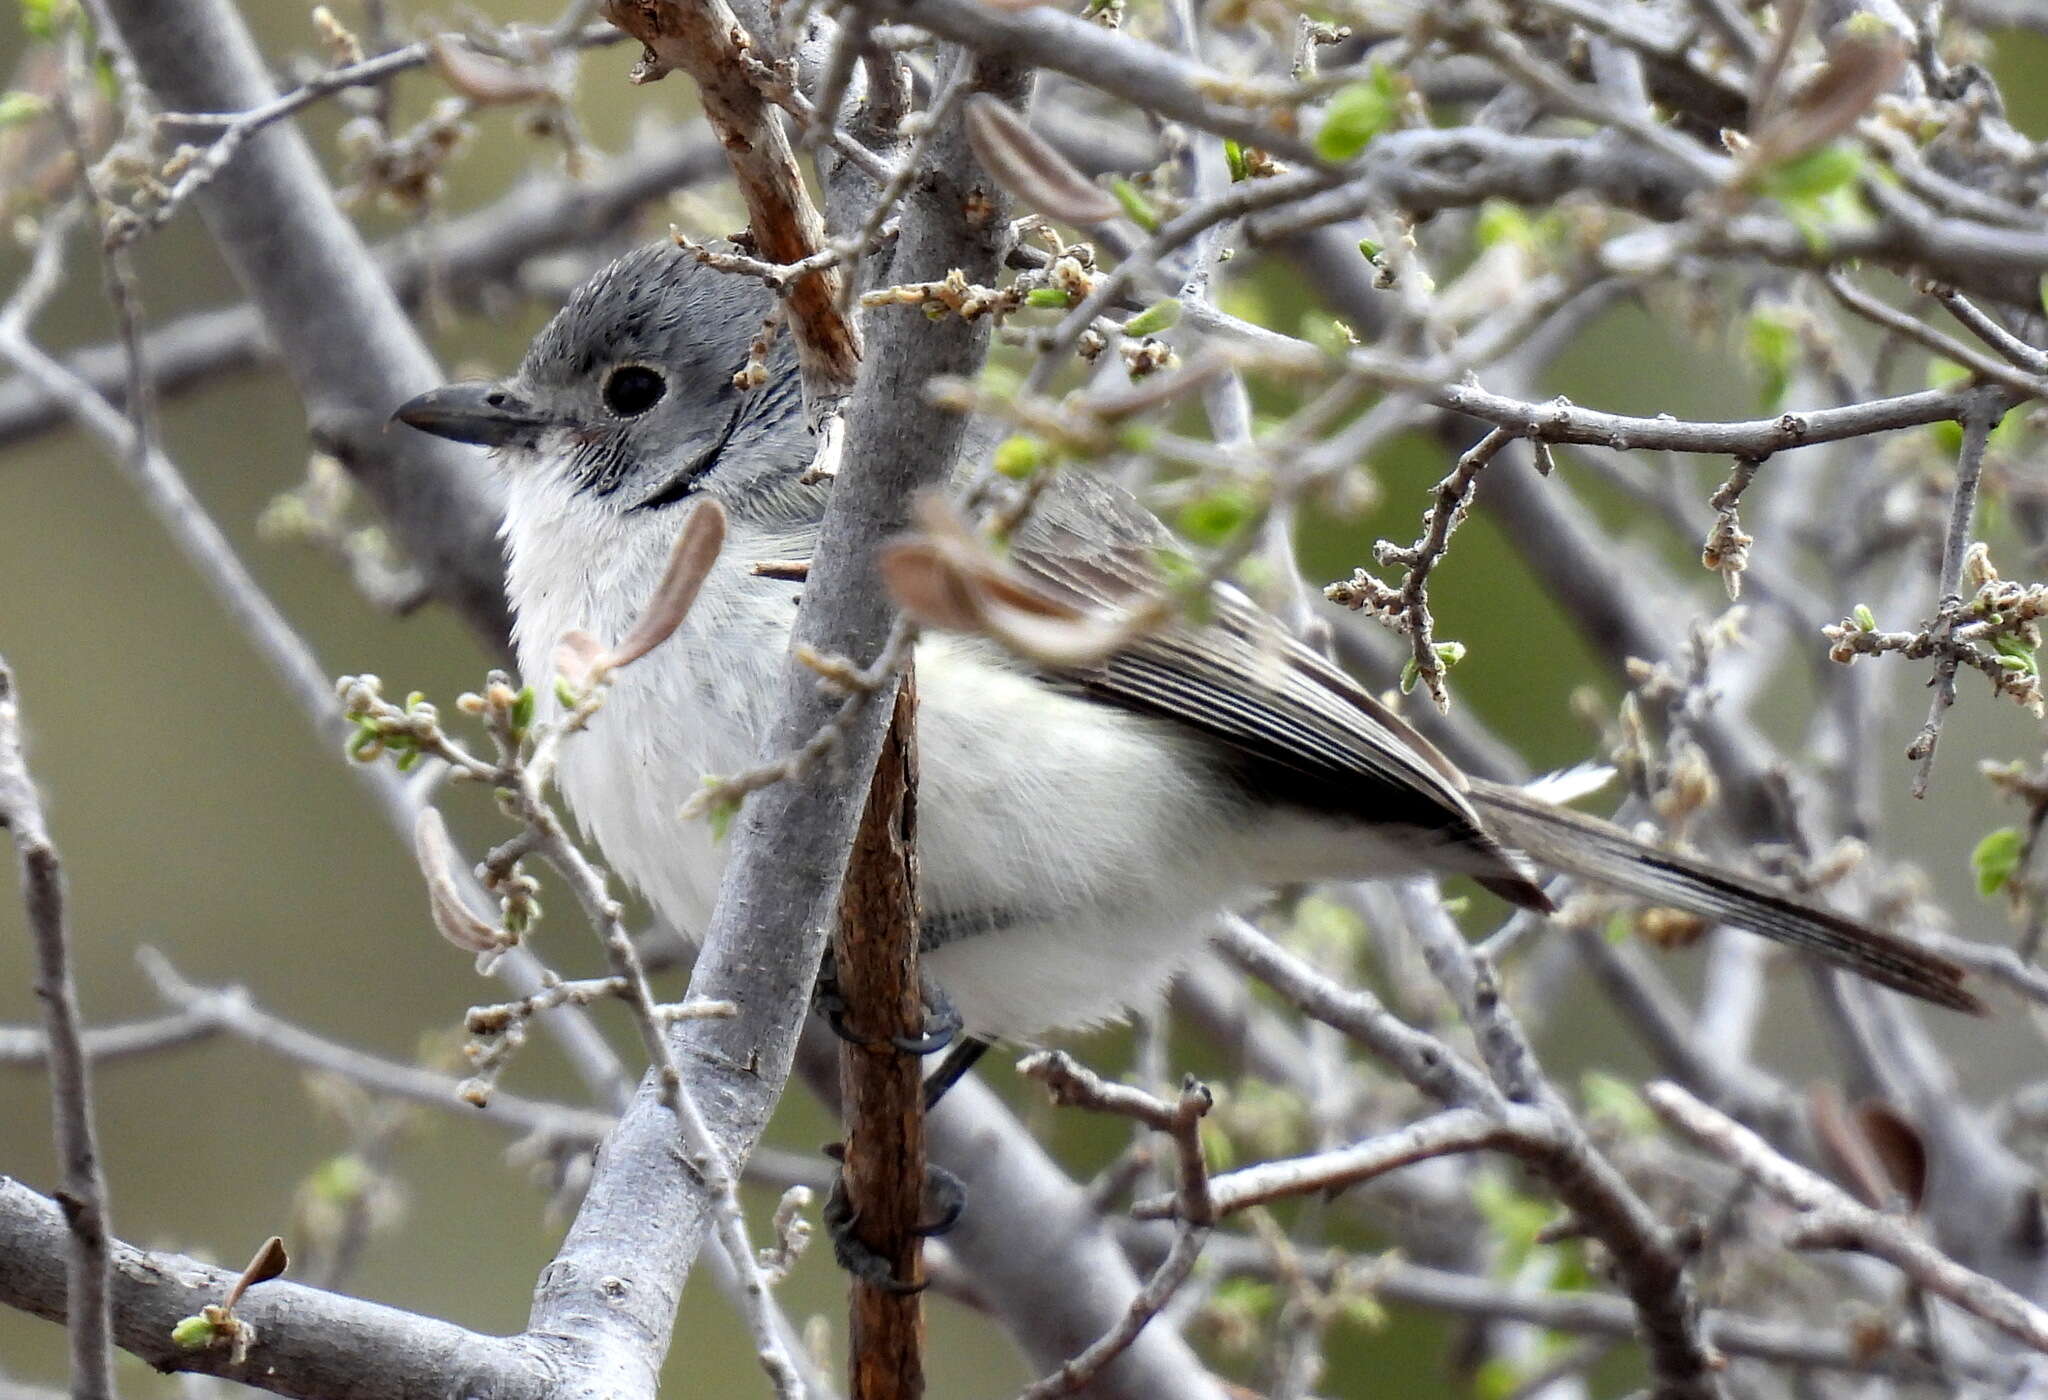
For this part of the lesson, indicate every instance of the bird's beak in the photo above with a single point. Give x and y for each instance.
(489, 415)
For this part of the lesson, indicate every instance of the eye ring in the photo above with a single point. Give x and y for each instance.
(630, 390)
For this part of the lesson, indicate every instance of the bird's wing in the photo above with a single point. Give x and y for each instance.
(1305, 732)
(1300, 729)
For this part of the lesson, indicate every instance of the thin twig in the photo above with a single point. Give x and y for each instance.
(1181, 1119)
(1983, 411)
(705, 39)
(88, 1279)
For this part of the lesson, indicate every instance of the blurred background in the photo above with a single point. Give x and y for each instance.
(198, 813)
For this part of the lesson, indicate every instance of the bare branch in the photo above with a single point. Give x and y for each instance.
(314, 1344)
(874, 957)
(87, 1279)
(1831, 1219)
(346, 342)
(1979, 417)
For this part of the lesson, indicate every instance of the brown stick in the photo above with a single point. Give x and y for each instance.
(884, 1169)
(704, 39)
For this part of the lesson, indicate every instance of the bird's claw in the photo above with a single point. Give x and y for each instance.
(942, 1022)
(945, 1195)
(857, 1258)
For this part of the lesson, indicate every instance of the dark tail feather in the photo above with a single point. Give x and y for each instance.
(1577, 844)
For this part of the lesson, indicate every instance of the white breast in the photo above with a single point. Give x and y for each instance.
(1085, 838)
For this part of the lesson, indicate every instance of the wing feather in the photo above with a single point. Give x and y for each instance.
(1300, 730)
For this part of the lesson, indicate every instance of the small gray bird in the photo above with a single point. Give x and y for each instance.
(1078, 828)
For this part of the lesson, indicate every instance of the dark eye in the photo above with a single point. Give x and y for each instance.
(630, 390)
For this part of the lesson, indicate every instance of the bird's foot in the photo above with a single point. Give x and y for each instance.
(941, 1023)
(944, 1199)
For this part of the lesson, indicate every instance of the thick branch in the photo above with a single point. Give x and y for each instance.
(314, 1344)
(344, 339)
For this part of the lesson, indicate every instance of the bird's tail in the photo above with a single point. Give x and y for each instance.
(1577, 844)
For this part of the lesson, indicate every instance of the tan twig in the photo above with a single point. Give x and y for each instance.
(883, 1167)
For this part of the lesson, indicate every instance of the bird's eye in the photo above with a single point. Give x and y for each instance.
(630, 390)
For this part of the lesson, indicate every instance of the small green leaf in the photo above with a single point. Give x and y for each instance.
(1865, 618)
(1159, 316)
(2015, 655)
(1806, 180)
(1020, 457)
(1500, 221)
(1233, 156)
(193, 1334)
(1249, 1295)
(522, 708)
(1362, 1311)
(1136, 437)
(340, 1180)
(1217, 1146)
(1136, 206)
(718, 814)
(1215, 518)
(1449, 654)
(1056, 297)
(1513, 1217)
(18, 108)
(1176, 571)
(1411, 675)
(1772, 341)
(39, 18)
(1358, 113)
(1616, 1100)
(1368, 250)
(1329, 929)
(1328, 334)
(1997, 859)
(565, 694)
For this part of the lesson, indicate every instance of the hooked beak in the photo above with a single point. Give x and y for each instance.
(488, 415)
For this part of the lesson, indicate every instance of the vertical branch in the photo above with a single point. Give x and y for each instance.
(881, 1087)
(88, 1276)
(1978, 417)
(780, 895)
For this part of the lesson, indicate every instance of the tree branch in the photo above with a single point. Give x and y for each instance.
(881, 1088)
(344, 339)
(315, 1344)
(789, 843)
(84, 1198)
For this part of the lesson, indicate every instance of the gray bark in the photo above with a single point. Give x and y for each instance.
(345, 340)
(613, 1287)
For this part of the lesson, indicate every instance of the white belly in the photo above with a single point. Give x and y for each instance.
(1081, 838)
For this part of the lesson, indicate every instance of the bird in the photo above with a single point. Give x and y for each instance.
(1082, 822)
